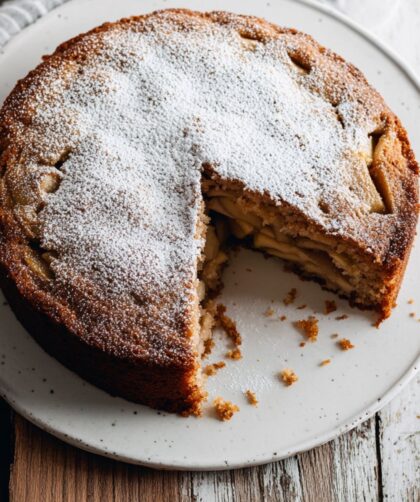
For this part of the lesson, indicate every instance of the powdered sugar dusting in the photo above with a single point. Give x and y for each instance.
(140, 120)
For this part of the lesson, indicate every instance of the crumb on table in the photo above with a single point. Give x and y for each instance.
(224, 409)
(309, 327)
(302, 344)
(290, 297)
(325, 362)
(301, 307)
(211, 369)
(330, 306)
(227, 324)
(282, 318)
(345, 344)
(288, 377)
(234, 354)
(410, 301)
(252, 398)
(334, 335)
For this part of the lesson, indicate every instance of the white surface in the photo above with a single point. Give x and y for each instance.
(323, 403)
(395, 21)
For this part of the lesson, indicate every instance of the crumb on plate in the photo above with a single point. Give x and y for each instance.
(345, 344)
(325, 362)
(211, 369)
(309, 327)
(282, 318)
(288, 377)
(234, 354)
(224, 409)
(208, 347)
(227, 324)
(252, 398)
(269, 312)
(290, 297)
(341, 317)
(330, 306)
(301, 307)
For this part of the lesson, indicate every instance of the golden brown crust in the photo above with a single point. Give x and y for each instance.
(163, 371)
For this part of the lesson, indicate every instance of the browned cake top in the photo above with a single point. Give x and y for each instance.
(103, 147)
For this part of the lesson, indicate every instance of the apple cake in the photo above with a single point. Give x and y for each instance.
(135, 153)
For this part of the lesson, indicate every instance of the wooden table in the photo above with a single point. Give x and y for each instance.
(377, 461)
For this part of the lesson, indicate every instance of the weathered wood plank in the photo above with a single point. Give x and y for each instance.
(281, 481)
(6, 441)
(208, 486)
(356, 464)
(399, 434)
(45, 469)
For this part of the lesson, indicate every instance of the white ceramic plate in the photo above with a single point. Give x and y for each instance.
(326, 401)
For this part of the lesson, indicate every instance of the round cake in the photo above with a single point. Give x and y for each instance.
(134, 155)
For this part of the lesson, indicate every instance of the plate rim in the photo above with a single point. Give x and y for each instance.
(7, 394)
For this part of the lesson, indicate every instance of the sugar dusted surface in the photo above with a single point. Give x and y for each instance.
(145, 114)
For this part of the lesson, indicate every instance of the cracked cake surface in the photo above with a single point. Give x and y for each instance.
(110, 147)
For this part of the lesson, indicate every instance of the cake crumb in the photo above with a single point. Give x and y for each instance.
(345, 344)
(227, 324)
(334, 335)
(309, 327)
(211, 369)
(224, 409)
(268, 312)
(234, 354)
(290, 297)
(288, 377)
(325, 362)
(208, 347)
(301, 307)
(410, 301)
(252, 398)
(302, 344)
(330, 306)
(412, 314)
(341, 317)
(282, 318)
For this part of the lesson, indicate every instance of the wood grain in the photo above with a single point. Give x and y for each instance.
(399, 440)
(6, 440)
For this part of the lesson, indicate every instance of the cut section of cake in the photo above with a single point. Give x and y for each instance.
(132, 156)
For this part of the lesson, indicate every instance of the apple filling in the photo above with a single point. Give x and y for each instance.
(276, 234)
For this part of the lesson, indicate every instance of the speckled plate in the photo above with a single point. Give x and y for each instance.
(326, 401)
